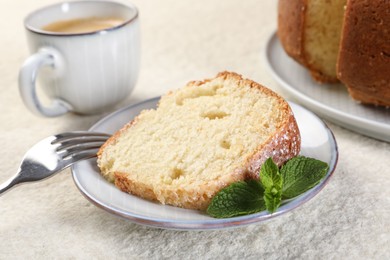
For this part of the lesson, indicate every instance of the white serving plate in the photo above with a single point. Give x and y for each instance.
(317, 142)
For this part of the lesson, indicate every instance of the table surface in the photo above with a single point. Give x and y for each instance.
(182, 41)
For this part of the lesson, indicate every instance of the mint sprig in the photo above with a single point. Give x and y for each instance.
(247, 197)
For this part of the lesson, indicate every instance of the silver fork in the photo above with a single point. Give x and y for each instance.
(55, 153)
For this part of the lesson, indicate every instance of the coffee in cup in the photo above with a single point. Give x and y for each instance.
(83, 25)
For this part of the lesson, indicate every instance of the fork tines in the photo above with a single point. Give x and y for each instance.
(78, 144)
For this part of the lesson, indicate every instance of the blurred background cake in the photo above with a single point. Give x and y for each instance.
(341, 40)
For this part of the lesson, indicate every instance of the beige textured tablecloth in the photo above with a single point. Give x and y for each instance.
(182, 41)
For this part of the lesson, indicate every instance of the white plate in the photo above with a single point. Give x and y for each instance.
(317, 142)
(327, 100)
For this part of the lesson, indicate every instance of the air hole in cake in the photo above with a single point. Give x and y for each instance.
(225, 144)
(200, 91)
(216, 114)
(176, 173)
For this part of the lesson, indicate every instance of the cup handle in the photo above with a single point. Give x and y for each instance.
(27, 83)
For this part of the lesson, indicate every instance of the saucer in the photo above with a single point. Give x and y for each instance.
(317, 142)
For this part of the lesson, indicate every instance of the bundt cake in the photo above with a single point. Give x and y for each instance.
(346, 40)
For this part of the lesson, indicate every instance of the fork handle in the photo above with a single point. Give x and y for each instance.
(21, 176)
(8, 184)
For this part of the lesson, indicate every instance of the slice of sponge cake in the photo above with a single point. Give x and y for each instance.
(200, 139)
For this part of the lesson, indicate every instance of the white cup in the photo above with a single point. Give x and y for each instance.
(85, 73)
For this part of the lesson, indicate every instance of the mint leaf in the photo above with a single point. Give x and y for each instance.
(237, 199)
(269, 174)
(272, 181)
(301, 174)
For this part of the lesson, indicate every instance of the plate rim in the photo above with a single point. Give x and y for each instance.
(213, 223)
(335, 115)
